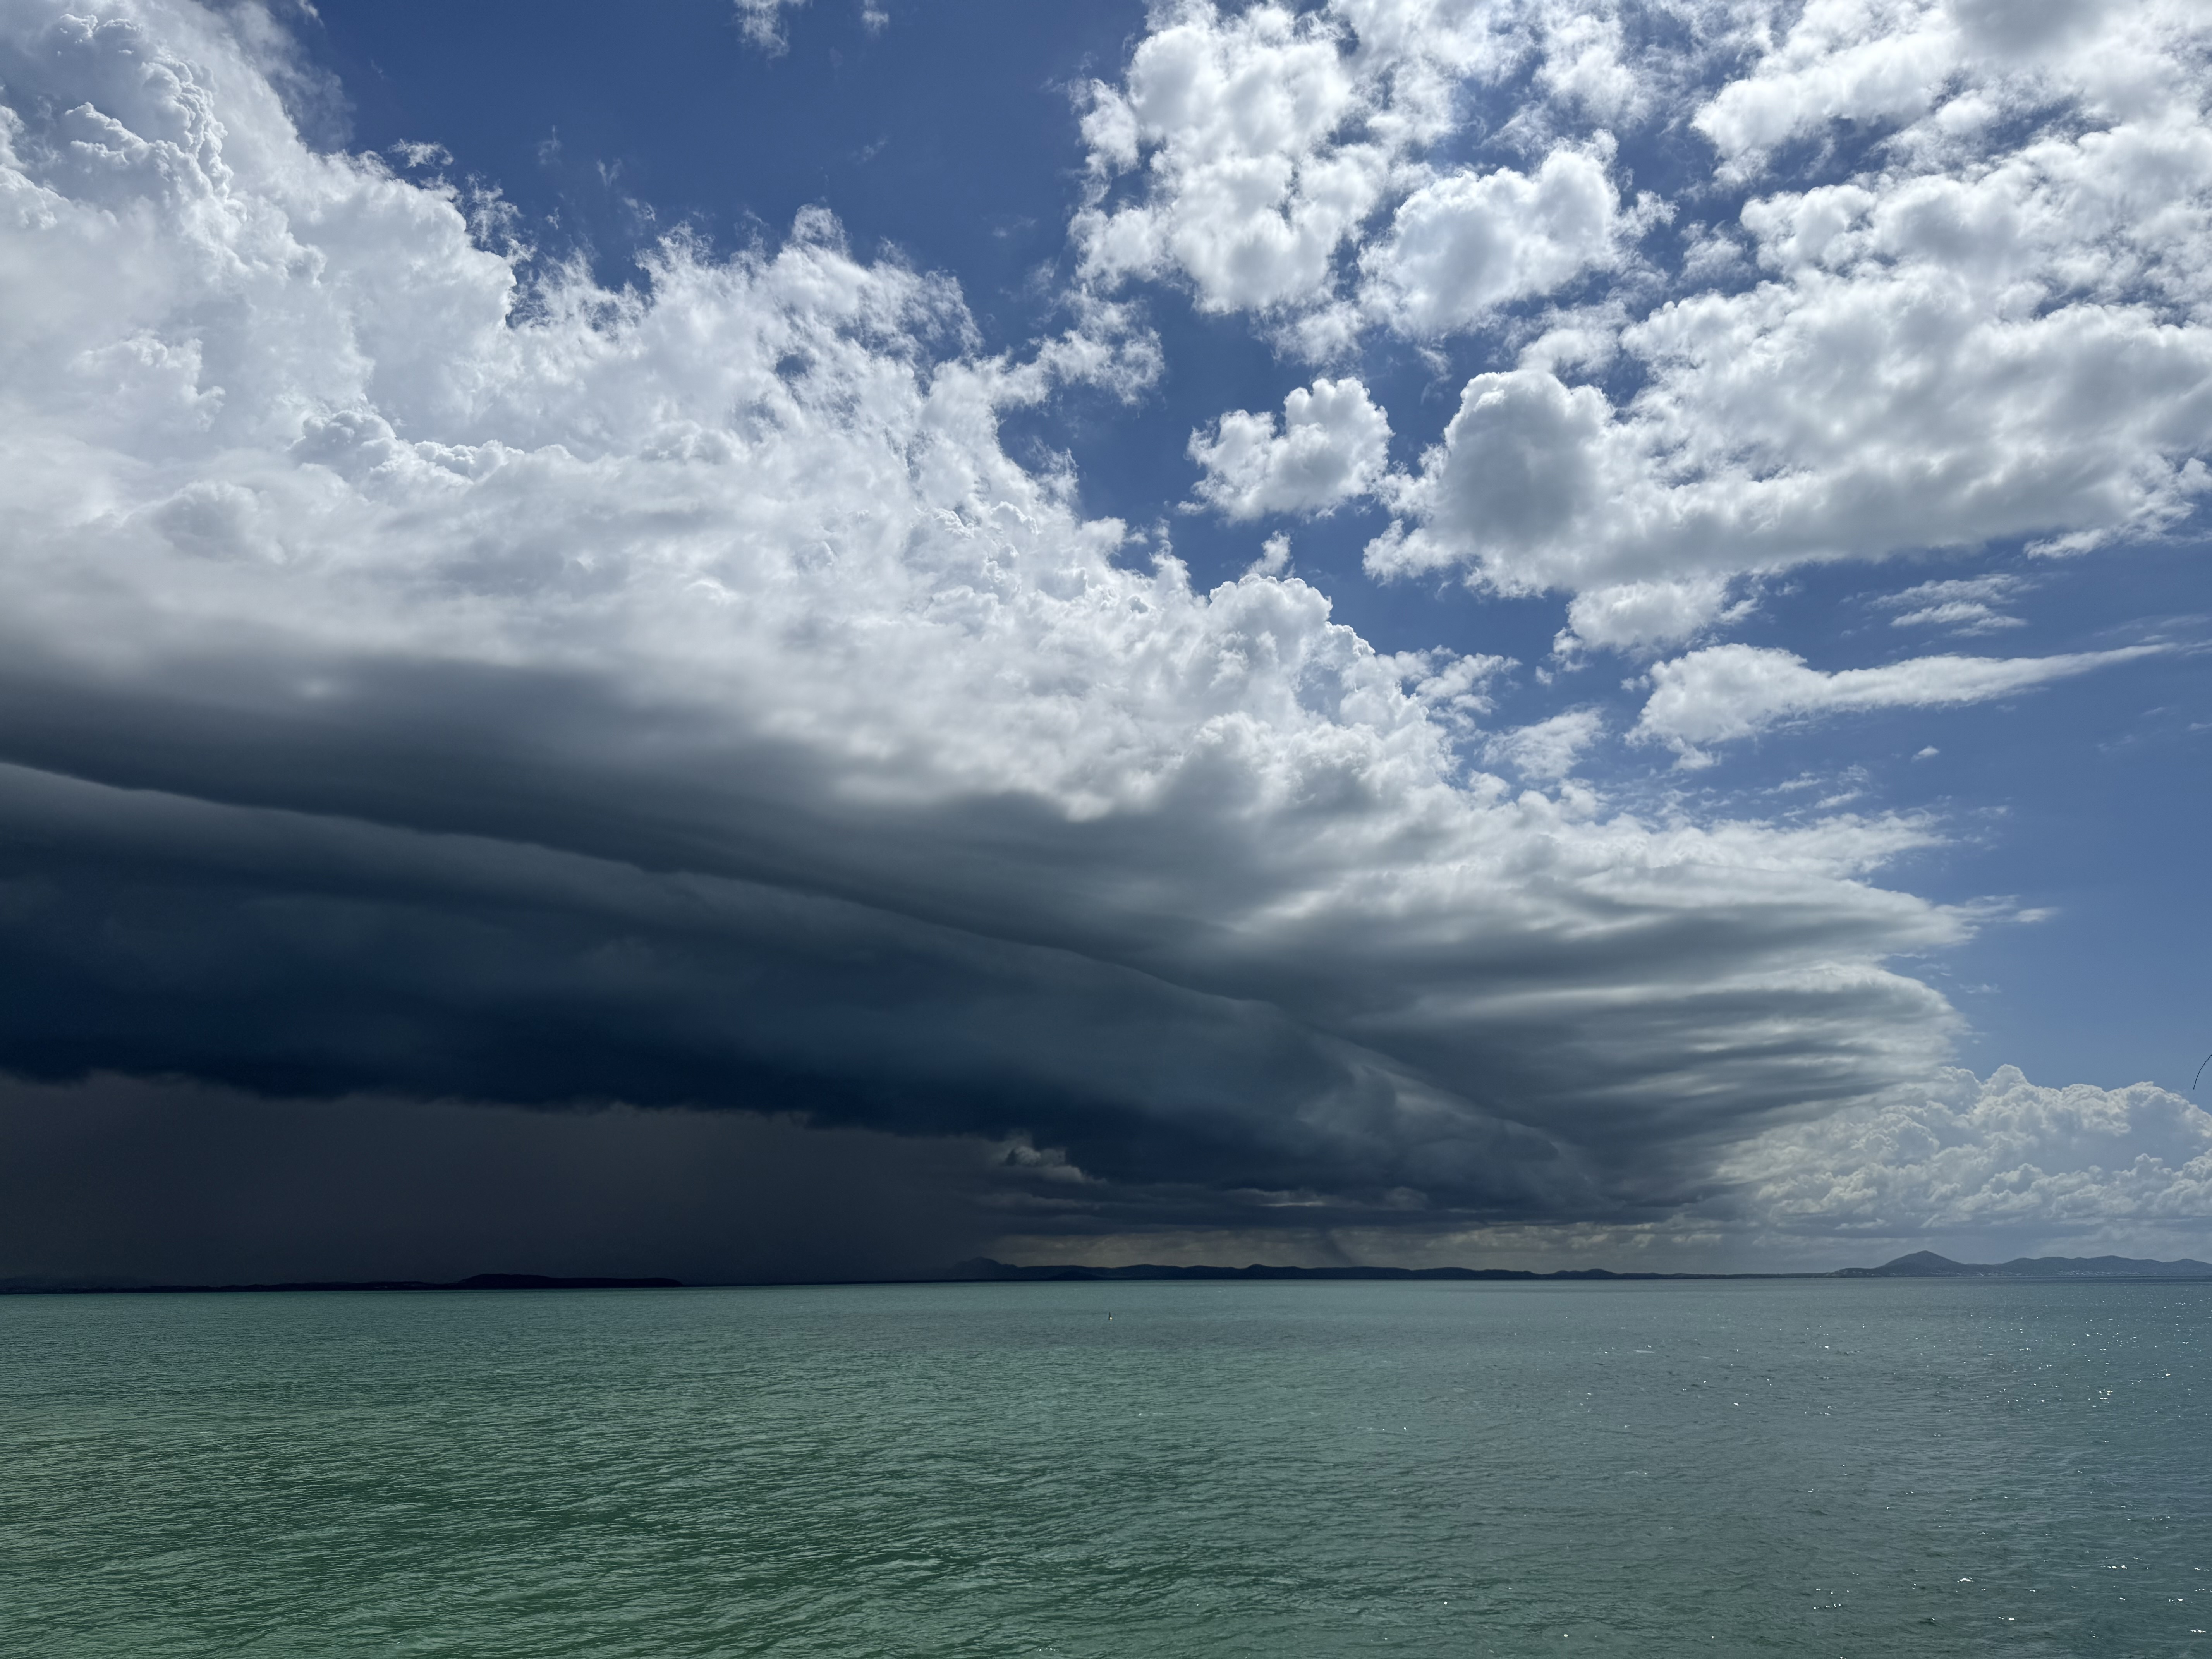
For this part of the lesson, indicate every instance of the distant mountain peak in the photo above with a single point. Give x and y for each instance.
(1925, 1261)
(1926, 1264)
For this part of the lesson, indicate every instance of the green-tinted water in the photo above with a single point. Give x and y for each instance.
(1846, 1468)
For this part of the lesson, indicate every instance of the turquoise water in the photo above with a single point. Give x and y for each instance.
(1825, 1468)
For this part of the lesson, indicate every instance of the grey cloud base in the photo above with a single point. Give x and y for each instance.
(117, 1182)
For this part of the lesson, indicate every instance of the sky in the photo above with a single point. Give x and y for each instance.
(763, 641)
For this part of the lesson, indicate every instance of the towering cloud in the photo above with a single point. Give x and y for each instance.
(422, 676)
(430, 675)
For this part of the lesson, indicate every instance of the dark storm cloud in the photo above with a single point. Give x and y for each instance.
(310, 956)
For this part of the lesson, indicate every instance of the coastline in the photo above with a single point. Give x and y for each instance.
(984, 1270)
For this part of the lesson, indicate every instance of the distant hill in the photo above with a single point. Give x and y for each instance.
(474, 1282)
(1926, 1264)
(983, 1269)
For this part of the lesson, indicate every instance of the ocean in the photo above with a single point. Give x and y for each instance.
(1771, 1468)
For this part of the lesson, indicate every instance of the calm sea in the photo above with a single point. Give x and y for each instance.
(1824, 1468)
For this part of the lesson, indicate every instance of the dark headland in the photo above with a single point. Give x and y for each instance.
(475, 1282)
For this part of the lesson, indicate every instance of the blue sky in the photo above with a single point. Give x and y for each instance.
(1754, 451)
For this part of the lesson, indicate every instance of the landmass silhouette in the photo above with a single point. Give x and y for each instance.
(977, 1270)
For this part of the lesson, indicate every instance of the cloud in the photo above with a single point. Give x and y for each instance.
(1958, 293)
(760, 22)
(1957, 62)
(1525, 460)
(2003, 1163)
(421, 678)
(1847, 62)
(1727, 692)
(1646, 613)
(1331, 444)
(1253, 191)
(1981, 1170)
(1467, 243)
(1967, 605)
(1549, 748)
(1817, 419)
(1274, 558)
(1270, 142)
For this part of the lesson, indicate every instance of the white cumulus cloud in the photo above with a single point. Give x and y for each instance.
(1469, 242)
(1267, 142)
(1238, 121)
(1646, 613)
(1961, 296)
(2001, 1165)
(1331, 444)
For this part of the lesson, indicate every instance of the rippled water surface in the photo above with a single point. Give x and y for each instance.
(1829, 1468)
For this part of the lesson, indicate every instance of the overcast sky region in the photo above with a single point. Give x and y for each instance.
(783, 641)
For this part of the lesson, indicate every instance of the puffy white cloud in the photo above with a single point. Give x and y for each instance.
(1452, 687)
(1994, 328)
(1726, 692)
(1268, 138)
(1954, 65)
(1653, 613)
(677, 694)
(2002, 1164)
(1238, 122)
(1274, 558)
(1523, 462)
(1332, 444)
(1859, 60)
(1823, 418)
(1469, 242)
